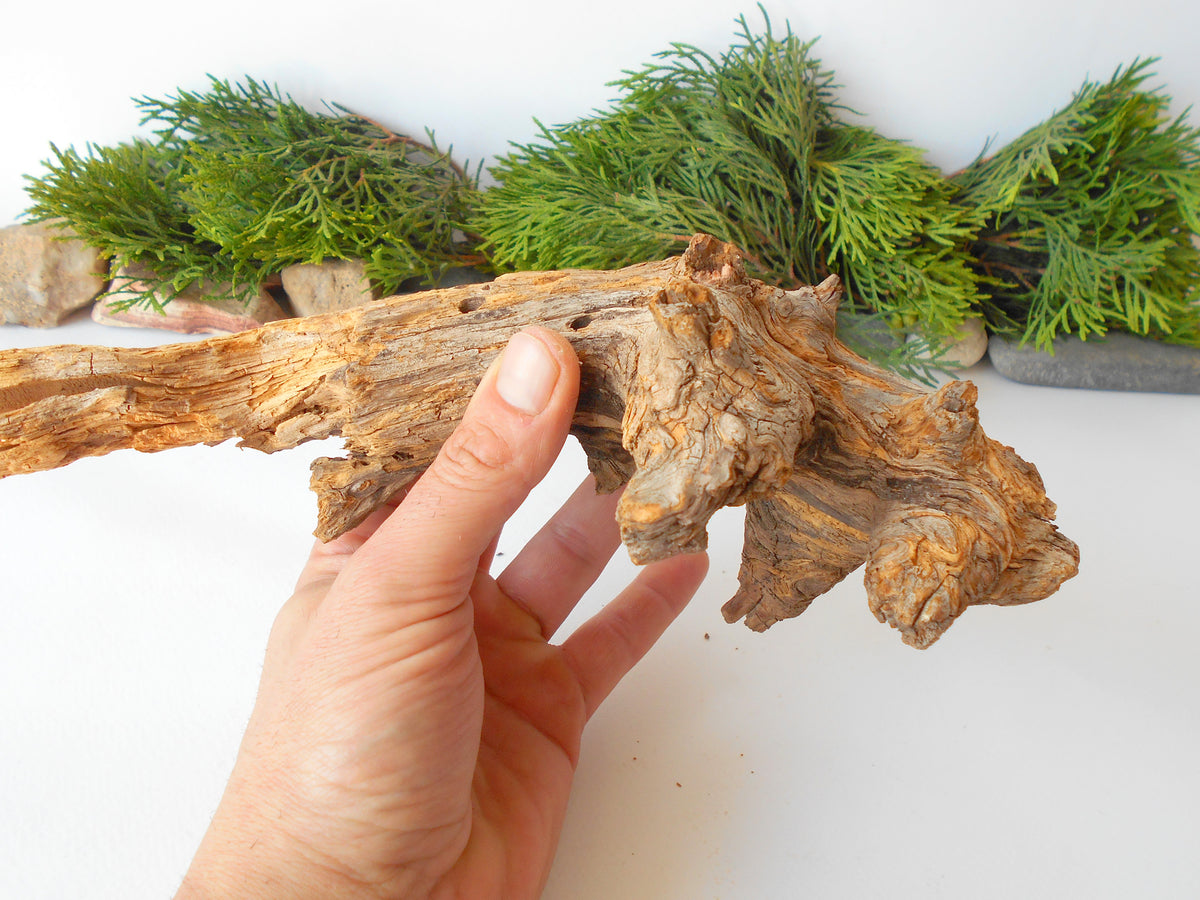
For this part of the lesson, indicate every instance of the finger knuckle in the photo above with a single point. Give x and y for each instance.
(293, 619)
(473, 454)
(574, 544)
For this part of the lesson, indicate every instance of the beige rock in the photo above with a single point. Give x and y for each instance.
(332, 286)
(970, 346)
(44, 278)
(188, 313)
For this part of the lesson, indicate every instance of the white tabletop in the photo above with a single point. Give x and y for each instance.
(1043, 751)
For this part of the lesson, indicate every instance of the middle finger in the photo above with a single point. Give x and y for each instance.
(564, 559)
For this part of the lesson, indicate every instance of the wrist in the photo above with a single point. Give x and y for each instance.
(255, 857)
(263, 866)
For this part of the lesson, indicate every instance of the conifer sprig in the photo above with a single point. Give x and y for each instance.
(746, 146)
(126, 200)
(688, 147)
(1084, 223)
(888, 226)
(1089, 217)
(244, 181)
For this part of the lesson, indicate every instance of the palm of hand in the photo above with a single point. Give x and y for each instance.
(459, 770)
(408, 755)
(416, 733)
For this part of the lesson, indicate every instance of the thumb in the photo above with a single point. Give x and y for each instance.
(511, 433)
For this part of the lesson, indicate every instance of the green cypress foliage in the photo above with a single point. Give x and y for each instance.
(746, 146)
(241, 181)
(1084, 223)
(890, 228)
(126, 200)
(1088, 219)
(696, 144)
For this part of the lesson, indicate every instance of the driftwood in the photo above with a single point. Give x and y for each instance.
(702, 388)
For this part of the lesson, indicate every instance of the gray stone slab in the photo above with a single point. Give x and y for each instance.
(1116, 362)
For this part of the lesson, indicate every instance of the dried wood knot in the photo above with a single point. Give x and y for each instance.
(713, 261)
(815, 306)
(715, 413)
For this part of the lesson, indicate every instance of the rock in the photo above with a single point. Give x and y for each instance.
(338, 284)
(44, 277)
(187, 313)
(866, 333)
(969, 347)
(1116, 362)
(459, 275)
(333, 285)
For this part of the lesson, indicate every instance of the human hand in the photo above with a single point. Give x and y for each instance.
(416, 733)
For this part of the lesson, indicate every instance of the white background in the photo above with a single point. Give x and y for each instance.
(1044, 751)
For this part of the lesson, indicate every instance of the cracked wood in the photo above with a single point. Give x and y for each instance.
(701, 388)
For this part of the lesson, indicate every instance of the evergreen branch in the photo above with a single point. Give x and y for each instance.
(1088, 218)
(889, 227)
(126, 201)
(1082, 224)
(918, 357)
(744, 146)
(244, 182)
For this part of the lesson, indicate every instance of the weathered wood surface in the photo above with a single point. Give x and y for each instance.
(701, 387)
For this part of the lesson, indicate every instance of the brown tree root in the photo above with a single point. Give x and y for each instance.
(702, 388)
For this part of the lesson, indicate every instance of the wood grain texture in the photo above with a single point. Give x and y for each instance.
(701, 388)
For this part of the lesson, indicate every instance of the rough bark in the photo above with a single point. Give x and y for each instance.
(701, 387)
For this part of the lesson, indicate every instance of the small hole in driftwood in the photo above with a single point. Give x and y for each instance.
(580, 323)
(470, 304)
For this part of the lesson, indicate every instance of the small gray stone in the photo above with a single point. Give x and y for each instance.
(334, 285)
(45, 274)
(1116, 362)
(866, 334)
(460, 275)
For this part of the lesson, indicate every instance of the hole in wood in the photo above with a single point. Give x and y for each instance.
(470, 304)
(580, 323)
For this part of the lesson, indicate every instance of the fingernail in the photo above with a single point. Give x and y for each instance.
(528, 374)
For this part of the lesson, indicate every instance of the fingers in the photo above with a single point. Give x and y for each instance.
(565, 557)
(608, 645)
(428, 551)
(327, 558)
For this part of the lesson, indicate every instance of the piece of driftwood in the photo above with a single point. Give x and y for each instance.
(701, 387)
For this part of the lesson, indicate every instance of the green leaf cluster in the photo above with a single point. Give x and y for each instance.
(890, 228)
(1088, 219)
(242, 181)
(126, 200)
(695, 144)
(747, 146)
(1084, 223)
